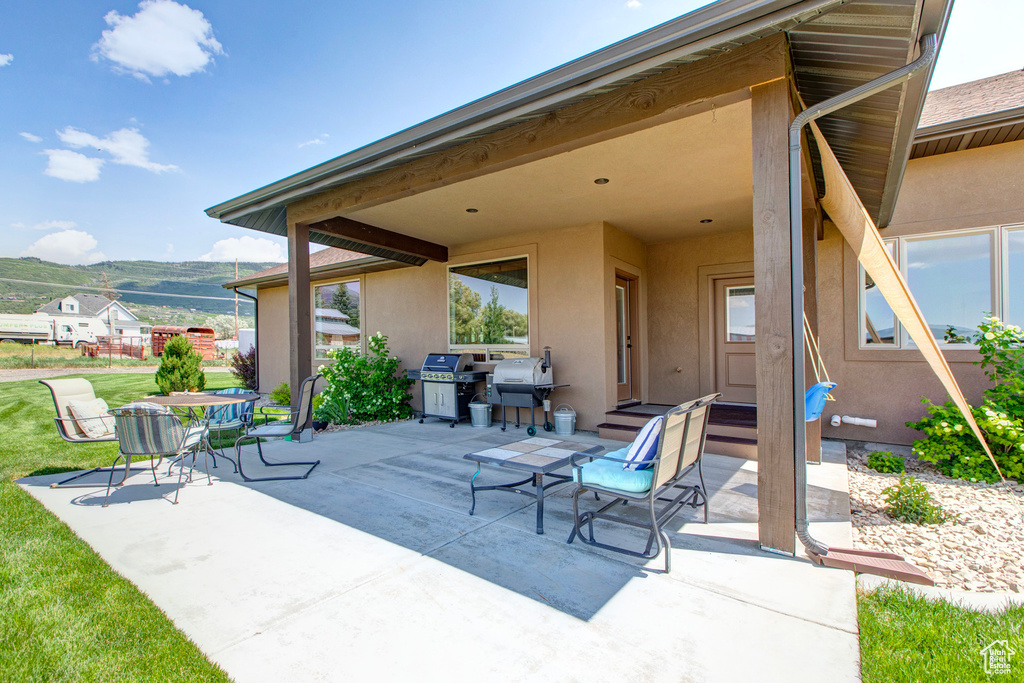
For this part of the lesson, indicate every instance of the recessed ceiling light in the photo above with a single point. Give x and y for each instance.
(601, 181)
(472, 210)
(705, 220)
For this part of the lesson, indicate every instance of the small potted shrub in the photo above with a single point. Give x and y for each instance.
(319, 423)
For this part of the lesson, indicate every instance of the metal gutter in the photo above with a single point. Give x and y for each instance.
(929, 48)
(705, 28)
(256, 328)
(974, 124)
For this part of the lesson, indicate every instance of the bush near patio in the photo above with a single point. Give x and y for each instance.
(950, 443)
(181, 368)
(65, 615)
(368, 384)
(243, 367)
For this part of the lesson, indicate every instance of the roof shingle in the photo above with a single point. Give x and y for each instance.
(964, 101)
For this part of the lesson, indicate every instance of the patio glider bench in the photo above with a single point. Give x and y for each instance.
(280, 430)
(652, 469)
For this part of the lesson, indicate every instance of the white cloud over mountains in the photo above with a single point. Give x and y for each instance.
(73, 247)
(127, 147)
(246, 249)
(163, 37)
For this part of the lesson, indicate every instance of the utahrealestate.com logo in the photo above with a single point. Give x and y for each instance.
(997, 656)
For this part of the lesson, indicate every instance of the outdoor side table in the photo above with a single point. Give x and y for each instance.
(536, 456)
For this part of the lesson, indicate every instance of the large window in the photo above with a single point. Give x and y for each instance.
(488, 309)
(337, 318)
(956, 279)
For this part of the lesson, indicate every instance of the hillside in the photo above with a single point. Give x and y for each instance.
(155, 290)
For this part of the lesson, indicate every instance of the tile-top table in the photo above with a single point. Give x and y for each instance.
(536, 455)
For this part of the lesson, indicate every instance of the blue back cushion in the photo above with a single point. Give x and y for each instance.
(232, 412)
(645, 446)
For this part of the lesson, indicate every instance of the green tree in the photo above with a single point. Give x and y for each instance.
(493, 317)
(464, 305)
(347, 302)
(181, 368)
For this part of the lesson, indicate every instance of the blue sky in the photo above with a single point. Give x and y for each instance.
(122, 121)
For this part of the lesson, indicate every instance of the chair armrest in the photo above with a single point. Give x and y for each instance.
(262, 410)
(593, 457)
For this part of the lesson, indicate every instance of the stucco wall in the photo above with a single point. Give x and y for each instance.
(272, 337)
(969, 189)
(674, 306)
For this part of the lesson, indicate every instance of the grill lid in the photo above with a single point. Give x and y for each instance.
(522, 371)
(447, 362)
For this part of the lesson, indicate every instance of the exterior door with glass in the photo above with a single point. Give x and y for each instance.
(626, 356)
(735, 366)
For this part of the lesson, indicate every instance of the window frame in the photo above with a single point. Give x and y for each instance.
(1000, 276)
(362, 312)
(491, 352)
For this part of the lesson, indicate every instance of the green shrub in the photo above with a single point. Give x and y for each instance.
(181, 368)
(366, 387)
(243, 367)
(281, 395)
(885, 461)
(949, 441)
(909, 501)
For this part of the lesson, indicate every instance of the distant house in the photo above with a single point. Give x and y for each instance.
(98, 314)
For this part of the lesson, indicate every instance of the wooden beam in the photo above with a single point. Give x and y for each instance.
(686, 90)
(373, 236)
(770, 118)
(300, 322)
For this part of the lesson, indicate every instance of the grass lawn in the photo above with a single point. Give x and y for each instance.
(907, 638)
(13, 355)
(65, 615)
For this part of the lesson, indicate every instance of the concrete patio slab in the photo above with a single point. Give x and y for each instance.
(372, 568)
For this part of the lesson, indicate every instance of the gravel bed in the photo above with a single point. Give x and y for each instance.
(981, 550)
(371, 423)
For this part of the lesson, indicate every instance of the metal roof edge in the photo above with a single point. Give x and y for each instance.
(970, 124)
(628, 55)
(339, 268)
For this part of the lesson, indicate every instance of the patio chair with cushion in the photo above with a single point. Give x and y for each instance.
(81, 418)
(154, 432)
(235, 417)
(651, 469)
(278, 430)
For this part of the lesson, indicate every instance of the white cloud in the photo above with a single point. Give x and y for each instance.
(162, 38)
(72, 166)
(6, 59)
(47, 225)
(634, 4)
(128, 146)
(30, 137)
(72, 247)
(318, 140)
(246, 249)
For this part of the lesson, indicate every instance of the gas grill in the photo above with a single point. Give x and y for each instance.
(447, 382)
(523, 383)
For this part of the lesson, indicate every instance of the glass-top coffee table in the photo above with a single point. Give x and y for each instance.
(536, 456)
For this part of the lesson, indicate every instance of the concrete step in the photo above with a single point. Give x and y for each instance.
(737, 447)
(617, 432)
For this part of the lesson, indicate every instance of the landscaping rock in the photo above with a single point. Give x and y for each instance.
(978, 551)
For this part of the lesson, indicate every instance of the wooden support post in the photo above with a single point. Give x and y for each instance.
(300, 325)
(776, 513)
(811, 220)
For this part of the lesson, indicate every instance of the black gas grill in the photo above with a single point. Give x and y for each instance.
(447, 382)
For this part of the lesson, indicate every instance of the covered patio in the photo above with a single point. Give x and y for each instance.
(373, 567)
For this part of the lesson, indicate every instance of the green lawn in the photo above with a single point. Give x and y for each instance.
(65, 615)
(906, 638)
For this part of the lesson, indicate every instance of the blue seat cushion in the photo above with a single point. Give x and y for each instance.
(608, 474)
(645, 446)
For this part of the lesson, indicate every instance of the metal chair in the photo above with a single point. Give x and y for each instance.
(680, 451)
(63, 392)
(278, 430)
(230, 418)
(154, 432)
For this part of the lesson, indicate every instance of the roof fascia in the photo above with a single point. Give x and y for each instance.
(971, 124)
(340, 269)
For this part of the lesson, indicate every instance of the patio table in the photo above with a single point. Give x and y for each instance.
(195, 404)
(536, 456)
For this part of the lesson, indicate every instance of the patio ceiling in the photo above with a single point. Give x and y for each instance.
(662, 182)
